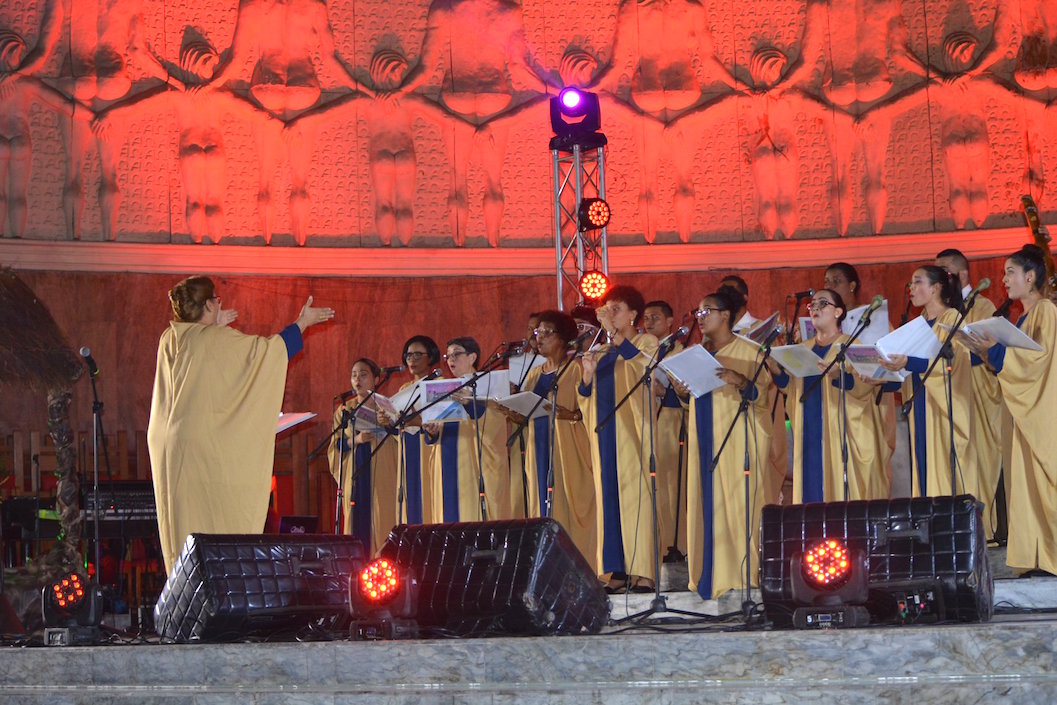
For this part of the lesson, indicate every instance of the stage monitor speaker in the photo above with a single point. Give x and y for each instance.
(499, 578)
(228, 586)
(933, 548)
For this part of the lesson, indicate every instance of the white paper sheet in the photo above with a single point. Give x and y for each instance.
(798, 360)
(1004, 332)
(695, 368)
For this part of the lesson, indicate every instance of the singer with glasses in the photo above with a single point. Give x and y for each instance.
(1029, 389)
(369, 455)
(573, 491)
(420, 354)
(986, 417)
(619, 450)
(816, 419)
(211, 436)
(939, 296)
(716, 500)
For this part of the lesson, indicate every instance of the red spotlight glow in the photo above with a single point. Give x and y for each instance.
(593, 285)
(827, 564)
(68, 592)
(594, 214)
(379, 581)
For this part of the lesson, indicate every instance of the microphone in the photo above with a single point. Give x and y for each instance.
(802, 294)
(344, 395)
(1003, 310)
(523, 343)
(93, 369)
(575, 342)
(391, 370)
(983, 284)
(432, 375)
(771, 337)
(669, 340)
(874, 305)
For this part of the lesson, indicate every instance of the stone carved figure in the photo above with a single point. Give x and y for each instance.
(851, 69)
(284, 40)
(390, 141)
(20, 89)
(199, 119)
(1036, 67)
(104, 40)
(480, 82)
(663, 49)
(768, 114)
(957, 98)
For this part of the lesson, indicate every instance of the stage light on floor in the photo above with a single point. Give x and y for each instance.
(593, 285)
(593, 214)
(830, 584)
(72, 610)
(382, 598)
(827, 564)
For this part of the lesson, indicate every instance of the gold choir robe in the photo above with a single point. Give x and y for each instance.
(1029, 388)
(620, 458)
(573, 501)
(381, 479)
(933, 442)
(868, 450)
(716, 500)
(985, 429)
(414, 473)
(211, 435)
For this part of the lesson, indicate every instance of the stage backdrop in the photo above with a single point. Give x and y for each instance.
(370, 122)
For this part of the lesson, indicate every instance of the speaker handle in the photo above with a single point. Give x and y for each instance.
(475, 555)
(883, 531)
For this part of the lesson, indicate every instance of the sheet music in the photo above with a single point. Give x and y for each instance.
(1004, 332)
(449, 409)
(866, 360)
(290, 420)
(695, 368)
(522, 403)
(520, 365)
(807, 328)
(798, 360)
(493, 384)
(913, 339)
(761, 329)
(878, 328)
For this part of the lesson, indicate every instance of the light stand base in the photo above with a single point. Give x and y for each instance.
(831, 617)
(71, 636)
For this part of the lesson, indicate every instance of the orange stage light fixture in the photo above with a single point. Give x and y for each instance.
(593, 214)
(593, 285)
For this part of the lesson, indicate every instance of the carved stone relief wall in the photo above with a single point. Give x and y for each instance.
(375, 123)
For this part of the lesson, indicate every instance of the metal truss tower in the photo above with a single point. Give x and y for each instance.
(579, 173)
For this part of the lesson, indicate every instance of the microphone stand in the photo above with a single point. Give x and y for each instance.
(946, 353)
(842, 410)
(659, 603)
(98, 437)
(747, 605)
(553, 431)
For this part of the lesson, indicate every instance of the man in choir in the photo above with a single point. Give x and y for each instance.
(986, 418)
(669, 436)
(743, 320)
(619, 452)
(211, 435)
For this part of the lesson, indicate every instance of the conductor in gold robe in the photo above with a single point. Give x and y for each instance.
(211, 435)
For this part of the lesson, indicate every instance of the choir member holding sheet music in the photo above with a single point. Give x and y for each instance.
(369, 462)
(816, 419)
(573, 501)
(456, 471)
(716, 499)
(619, 448)
(1029, 388)
(987, 401)
(420, 355)
(939, 296)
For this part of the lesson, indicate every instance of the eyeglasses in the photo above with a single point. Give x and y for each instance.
(704, 311)
(583, 327)
(540, 333)
(819, 305)
(455, 355)
(413, 355)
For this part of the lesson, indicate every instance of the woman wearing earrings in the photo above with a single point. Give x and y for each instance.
(1029, 389)
(818, 417)
(369, 464)
(716, 499)
(939, 296)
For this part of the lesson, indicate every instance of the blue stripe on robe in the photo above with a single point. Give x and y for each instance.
(609, 504)
(703, 420)
(541, 441)
(412, 478)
